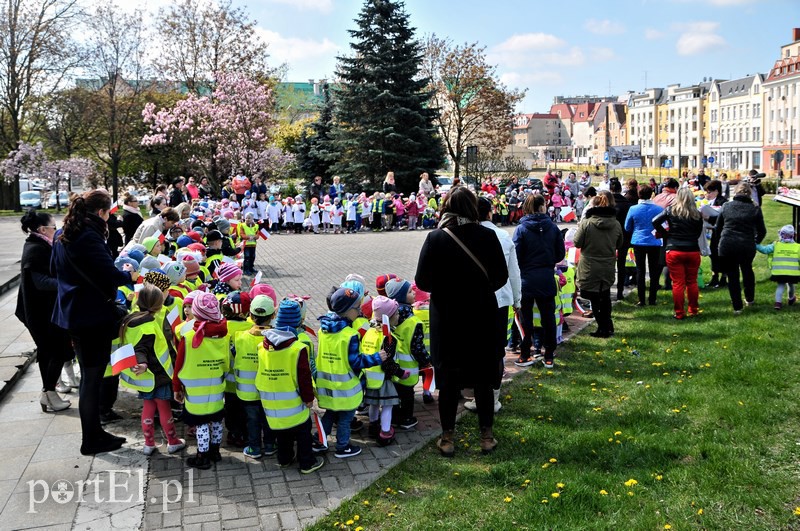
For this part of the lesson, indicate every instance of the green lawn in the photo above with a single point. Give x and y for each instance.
(669, 425)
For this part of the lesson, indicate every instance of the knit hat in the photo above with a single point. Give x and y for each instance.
(342, 300)
(190, 297)
(366, 307)
(191, 264)
(223, 225)
(148, 263)
(786, 232)
(206, 307)
(199, 247)
(213, 236)
(157, 278)
(228, 271)
(149, 243)
(397, 289)
(236, 304)
(262, 306)
(137, 255)
(383, 306)
(380, 283)
(419, 295)
(121, 261)
(175, 272)
(289, 314)
(264, 289)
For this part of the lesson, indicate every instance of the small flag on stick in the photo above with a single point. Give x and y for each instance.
(263, 234)
(519, 325)
(386, 328)
(123, 358)
(322, 437)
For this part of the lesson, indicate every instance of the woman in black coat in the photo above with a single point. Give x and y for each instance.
(131, 216)
(740, 225)
(35, 302)
(87, 287)
(463, 309)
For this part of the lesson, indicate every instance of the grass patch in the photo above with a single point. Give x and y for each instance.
(689, 424)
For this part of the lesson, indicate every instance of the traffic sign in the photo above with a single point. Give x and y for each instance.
(705, 160)
(778, 156)
(711, 159)
(605, 157)
(668, 163)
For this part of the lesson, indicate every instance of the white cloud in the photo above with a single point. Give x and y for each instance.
(604, 27)
(323, 6)
(602, 54)
(699, 37)
(522, 51)
(528, 42)
(300, 52)
(531, 79)
(653, 34)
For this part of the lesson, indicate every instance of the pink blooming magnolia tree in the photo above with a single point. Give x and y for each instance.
(228, 132)
(30, 160)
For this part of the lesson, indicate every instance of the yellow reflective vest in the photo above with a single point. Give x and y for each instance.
(278, 387)
(785, 259)
(424, 315)
(234, 327)
(371, 343)
(404, 332)
(338, 388)
(568, 291)
(145, 382)
(245, 231)
(203, 374)
(245, 364)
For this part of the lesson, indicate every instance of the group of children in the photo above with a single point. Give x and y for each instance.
(238, 358)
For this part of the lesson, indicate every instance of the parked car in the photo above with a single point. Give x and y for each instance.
(30, 200)
(143, 197)
(63, 200)
(533, 183)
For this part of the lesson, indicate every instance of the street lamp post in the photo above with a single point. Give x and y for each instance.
(791, 145)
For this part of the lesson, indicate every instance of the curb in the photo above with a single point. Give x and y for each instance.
(9, 384)
(7, 286)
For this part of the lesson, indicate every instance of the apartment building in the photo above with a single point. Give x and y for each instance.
(735, 123)
(643, 123)
(781, 99)
(681, 125)
(609, 123)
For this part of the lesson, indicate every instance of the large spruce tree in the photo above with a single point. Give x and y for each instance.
(314, 149)
(383, 118)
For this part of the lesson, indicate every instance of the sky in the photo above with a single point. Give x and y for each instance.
(550, 48)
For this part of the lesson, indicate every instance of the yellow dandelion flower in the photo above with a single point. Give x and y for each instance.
(553, 460)
(700, 511)
(349, 522)
(527, 482)
(522, 440)
(631, 482)
(390, 514)
(507, 499)
(647, 386)
(630, 493)
(456, 473)
(366, 503)
(544, 500)
(356, 518)
(741, 403)
(450, 497)
(667, 526)
(555, 495)
(676, 410)
(659, 477)
(560, 485)
(617, 433)
(797, 511)
(603, 492)
(611, 439)
(545, 465)
(359, 528)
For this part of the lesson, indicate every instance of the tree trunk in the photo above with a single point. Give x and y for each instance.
(456, 167)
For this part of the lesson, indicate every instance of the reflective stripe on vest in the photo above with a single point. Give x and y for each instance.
(404, 333)
(203, 374)
(509, 324)
(248, 231)
(424, 315)
(371, 344)
(278, 386)
(786, 259)
(245, 364)
(144, 382)
(338, 388)
(568, 291)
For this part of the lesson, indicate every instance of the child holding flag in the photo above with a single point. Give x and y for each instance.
(152, 374)
(248, 234)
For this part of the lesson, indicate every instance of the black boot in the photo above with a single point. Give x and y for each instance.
(714, 282)
(723, 281)
(213, 453)
(201, 461)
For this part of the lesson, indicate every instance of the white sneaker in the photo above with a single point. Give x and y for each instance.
(148, 450)
(173, 448)
(471, 405)
(63, 388)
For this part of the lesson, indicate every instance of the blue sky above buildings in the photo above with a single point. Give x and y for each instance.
(567, 47)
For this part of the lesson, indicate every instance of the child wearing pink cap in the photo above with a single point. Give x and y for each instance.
(229, 278)
(201, 365)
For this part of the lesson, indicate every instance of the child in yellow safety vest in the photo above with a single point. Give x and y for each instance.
(381, 393)
(229, 278)
(152, 374)
(244, 349)
(201, 365)
(339, 363)
(422, 310)
(784, 264)
(248, 234)
(411, 352)
(235, 309)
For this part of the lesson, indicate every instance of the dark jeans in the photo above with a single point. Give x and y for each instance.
(601, 309)
(249, 259)
(235, 416)
(449, 396)
(343, 420)
(302, 435)
(731, 265)
(547, 311)
(405, 410)
(93, 348)
(259, 434)
(647, 257)
(622, 258)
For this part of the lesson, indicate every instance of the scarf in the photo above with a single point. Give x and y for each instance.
(43, 237)
(449, 217)
(132, 210)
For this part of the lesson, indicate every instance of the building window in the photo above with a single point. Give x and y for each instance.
(713, 136)
(756, 159)
(756, 134)
(694, 142)
(756, 110)
(756, 89)
(747, 111)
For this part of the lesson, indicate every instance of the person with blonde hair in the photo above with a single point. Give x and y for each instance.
(684, 226)
(740, 226)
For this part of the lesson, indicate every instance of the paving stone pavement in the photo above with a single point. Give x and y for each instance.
(161, 492)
